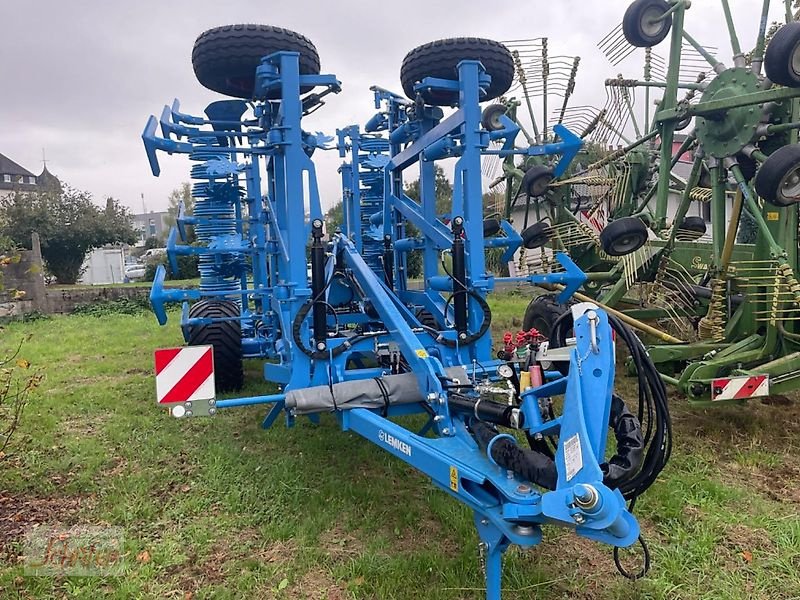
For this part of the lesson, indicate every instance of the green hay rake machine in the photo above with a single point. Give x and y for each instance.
(731, 309)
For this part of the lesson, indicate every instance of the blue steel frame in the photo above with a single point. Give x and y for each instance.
(267, 227)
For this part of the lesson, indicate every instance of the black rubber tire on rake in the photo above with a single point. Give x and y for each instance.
(633, 23)
(225, 58)
(623, 236)
(226, 339)
(536, 236)
(490, 117)
(778, 174)
(779, 60)
(536, 181)
(440, 59)
(491, 227)
(695, 225)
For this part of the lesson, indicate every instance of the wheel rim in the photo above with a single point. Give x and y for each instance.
(627, 243)
(795, 64)
(650, 23)
(790, 186)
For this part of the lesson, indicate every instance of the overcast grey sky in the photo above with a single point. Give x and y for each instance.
(80, 77)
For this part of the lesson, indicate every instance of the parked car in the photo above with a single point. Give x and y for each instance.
(154, 253)
(134, 271)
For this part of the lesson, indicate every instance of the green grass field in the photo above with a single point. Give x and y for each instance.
(220, 508)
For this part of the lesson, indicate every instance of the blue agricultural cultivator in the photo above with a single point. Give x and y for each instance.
(519, 434)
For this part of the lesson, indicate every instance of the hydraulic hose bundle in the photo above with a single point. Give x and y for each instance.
(538, 466)
(644, 439)
(652, 412)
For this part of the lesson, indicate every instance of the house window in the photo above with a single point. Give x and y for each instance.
(22, 179)
(32, 180)
(6, 178)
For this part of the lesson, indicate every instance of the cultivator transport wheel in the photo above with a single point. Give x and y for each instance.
(537, 180)
(623, 236)
(643, 25)
(490, 117)
(542, 313)
(224, 336)
(440, 59)
(225, 58)
(782, 59)
(536, 236)
(778, 179)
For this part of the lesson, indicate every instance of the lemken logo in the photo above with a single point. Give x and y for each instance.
(390, 440)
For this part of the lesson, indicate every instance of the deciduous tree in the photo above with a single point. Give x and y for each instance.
(69, 224)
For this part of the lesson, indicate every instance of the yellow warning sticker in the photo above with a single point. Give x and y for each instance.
(773, 216)
(454, 479)
(421, 353)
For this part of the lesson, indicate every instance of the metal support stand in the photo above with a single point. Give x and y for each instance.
(493, 544)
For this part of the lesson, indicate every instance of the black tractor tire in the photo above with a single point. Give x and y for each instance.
(536, 181)
(694, 227)
(440, 59)
(542, 313)
(225, 58)
(226, 339)
(491, 227)
(638, 27)
(623, 236)
(778, 179)
(490, 117)
(782, 58)
(536, 236)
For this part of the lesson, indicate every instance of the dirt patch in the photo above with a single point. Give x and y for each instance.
(739, 547)
(748, 539)
(279, 552)
(212, 568)
(780, 482)
(138, 372)
(340, 544)
(19, 514)
(83, 425)
(773, 427)
(198, 572)
(316, 585)
(595, 557)
(429, 534)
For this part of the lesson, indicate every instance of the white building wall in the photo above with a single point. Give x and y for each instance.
(104, 266)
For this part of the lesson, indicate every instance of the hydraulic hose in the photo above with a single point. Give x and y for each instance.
(652, 414)
(529, 465)
(537, 465)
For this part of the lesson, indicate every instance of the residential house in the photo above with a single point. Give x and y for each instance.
(15, 178)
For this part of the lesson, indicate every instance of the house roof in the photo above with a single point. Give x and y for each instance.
(9, 167)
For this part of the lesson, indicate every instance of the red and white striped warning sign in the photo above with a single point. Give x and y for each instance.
(184, 374)
(740, 388)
